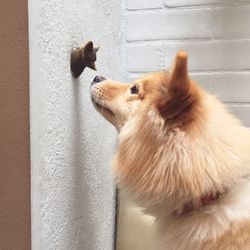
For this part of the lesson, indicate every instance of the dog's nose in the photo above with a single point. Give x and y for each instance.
(98, 79)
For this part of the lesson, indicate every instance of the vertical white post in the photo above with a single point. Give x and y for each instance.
(71, 144)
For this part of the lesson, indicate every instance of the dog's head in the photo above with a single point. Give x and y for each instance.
(172, 96)
(173, 136)
(145, 113)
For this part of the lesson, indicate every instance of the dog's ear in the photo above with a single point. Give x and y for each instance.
(179, 95)
(179, 79)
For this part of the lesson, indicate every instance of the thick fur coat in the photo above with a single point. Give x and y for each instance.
(182, 158)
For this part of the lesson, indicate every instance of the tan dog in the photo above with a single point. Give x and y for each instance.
(182, 157)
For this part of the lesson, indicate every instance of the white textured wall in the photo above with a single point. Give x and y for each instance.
(71, 144)
(215, 33)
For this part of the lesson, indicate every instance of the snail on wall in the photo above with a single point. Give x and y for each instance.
(82, 57)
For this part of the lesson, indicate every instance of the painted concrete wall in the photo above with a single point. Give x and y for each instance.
(71, 144)
(215, 33)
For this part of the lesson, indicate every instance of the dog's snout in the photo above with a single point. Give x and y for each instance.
(98, 79)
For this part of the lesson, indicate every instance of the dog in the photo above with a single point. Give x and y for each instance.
(182, 158)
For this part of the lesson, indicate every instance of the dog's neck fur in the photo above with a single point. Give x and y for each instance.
(178, 167)
(204, 225)
(208, 223)
(192, 206)
(182, 165)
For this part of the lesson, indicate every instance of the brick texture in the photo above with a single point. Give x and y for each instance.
(219, 22)
(203, 56)
(215, 33)
(144, 4)
(176, 3)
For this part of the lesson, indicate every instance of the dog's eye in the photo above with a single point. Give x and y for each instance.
(134, 90)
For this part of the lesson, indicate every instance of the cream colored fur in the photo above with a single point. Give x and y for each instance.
(167, 158)
(135, 229)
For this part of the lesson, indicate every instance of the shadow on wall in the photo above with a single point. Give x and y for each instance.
(81, 195)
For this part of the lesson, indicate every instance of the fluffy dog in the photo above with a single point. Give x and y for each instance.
(182, 157)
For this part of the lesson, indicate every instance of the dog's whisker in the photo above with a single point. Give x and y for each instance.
(103, 103)
(98, 97)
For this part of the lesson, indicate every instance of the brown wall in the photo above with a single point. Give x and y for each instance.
(14, 127)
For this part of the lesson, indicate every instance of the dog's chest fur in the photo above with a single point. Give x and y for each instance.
(223, 225)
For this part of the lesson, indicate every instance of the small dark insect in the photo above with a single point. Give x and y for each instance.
(83, 57)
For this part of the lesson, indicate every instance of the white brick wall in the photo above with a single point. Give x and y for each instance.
(145, 4)
(215, 33)
(176, 3)
(216, 22)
